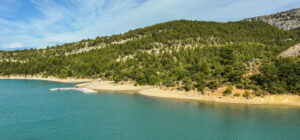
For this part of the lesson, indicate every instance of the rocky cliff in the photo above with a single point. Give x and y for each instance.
(286, 20)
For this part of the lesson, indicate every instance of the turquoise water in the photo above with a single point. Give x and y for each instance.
(29, 111)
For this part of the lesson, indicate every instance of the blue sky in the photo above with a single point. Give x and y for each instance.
(41, 23)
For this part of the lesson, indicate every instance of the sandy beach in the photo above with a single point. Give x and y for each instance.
(128, 87)
(216, 96)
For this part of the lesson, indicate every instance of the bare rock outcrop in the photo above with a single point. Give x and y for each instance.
(286, 20)
(293, 51)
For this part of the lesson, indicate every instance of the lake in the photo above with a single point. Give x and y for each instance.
(30, 111)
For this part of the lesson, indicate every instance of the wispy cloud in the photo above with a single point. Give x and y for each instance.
(39, 23)
(14, 45)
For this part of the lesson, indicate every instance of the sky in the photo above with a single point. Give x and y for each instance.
(41, 23)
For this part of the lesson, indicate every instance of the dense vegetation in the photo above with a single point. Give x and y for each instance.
(297, 31)
(183, 54)
(279, 76)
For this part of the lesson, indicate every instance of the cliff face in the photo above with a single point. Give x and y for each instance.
(286, 20)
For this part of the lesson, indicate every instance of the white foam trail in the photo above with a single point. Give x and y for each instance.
(84, 90)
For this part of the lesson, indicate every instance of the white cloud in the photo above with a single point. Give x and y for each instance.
(15, 45)
(74, 20)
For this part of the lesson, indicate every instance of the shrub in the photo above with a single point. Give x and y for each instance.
(239, 86)
(237, 94)
(247, 94)
(187, 84)
(228, 91)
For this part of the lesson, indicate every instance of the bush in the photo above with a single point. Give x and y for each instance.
(228, 91)
(200, 87)
(247, 94)
(240, 86)
(169, 82)
(187, 84)
(237, 94)
(188, 87)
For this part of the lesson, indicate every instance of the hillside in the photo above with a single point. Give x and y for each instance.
(187, 55)
(286, 20)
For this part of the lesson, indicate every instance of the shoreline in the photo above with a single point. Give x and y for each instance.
(278, 100)
(217, 96)
(50, 78)
(151, 91)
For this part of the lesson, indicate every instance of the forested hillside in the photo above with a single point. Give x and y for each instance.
(183, 54)
(297, 31)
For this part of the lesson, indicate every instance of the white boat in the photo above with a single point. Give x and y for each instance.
(53, 89)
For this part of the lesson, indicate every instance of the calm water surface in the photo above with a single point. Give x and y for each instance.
(29, 111)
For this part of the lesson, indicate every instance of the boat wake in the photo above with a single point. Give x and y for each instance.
(84, 90)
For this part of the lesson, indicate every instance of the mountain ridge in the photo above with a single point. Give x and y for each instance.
(286, 20)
